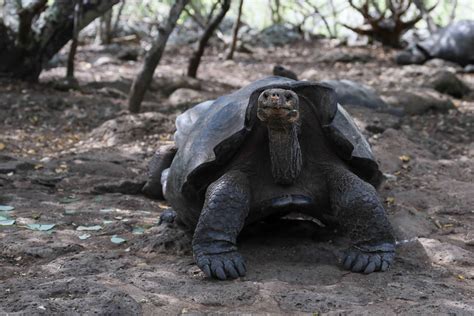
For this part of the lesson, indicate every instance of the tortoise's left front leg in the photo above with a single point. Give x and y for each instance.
(362, 215)
(222, 218)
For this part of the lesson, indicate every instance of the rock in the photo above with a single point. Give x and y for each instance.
(104, 60)
(343, 57)
(448, 83)
(418, 101)
(129, 54)
(11, 164)
(469, 69)
(311, 74)
(351, 93)
(445, 254)
(184, 97)
(276, 35)
(128, 128)
(167, 85)
(439, 63)
(65, 84)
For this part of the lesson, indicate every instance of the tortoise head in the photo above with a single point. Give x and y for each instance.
(278, 107)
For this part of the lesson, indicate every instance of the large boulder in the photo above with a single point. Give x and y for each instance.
(276, 35)
(129, 128)
(185, 97)
(351, 93)
(448, 83)
(418, 101)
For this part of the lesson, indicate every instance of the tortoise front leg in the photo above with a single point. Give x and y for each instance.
(362, 215)
(222, 218)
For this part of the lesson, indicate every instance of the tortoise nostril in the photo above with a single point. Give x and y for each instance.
(274, 95)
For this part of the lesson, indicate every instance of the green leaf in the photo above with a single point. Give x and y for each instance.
(106, 210)
(68, 200)
(69, 212)
(40, 227)
(117, 240)
(106, 222)
(6, 208)
(93, 228)
(138, 230)
(85, 236)
(7, 222)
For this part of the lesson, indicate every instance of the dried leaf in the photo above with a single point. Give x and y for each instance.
(138, 231)
(117, 240)
(404, 158)
(40, 227)
(84, 237)
(390, 200)
(2, 146)
(6, 222)
(89, 228)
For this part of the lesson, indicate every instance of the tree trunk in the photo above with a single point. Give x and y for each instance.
(117, 19)
(195, 59)
(75, 39)
(145, 75)
(235, 32)
(276, 14)
(105, 28)
(45, 39)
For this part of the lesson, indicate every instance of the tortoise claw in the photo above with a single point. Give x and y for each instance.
(223, 266)
(366, 262)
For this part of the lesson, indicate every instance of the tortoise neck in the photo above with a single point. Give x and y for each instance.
(285, 154)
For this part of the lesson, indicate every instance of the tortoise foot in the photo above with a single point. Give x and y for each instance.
(369, 259)
(223, 266)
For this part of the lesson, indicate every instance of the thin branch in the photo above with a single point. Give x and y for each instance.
(117, 18)
(75, 39)
(196, 57)
(142, 81)
(235, 31)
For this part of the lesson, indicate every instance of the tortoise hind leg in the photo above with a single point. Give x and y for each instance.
(160, 161)
(223, 216)
(361, 213)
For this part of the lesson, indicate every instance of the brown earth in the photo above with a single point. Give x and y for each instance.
(77, 158)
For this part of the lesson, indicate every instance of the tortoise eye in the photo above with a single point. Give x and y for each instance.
(265, 95)
(288, 97)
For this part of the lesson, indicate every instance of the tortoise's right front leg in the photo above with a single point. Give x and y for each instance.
(222, 218)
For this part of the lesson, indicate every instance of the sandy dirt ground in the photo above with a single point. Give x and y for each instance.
(77, 160)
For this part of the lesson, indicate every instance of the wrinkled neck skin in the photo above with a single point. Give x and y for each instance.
(285, 153)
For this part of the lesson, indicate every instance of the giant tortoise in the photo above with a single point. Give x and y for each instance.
(454, 43)
(273, 147)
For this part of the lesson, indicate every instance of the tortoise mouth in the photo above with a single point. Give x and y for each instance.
(278, 106)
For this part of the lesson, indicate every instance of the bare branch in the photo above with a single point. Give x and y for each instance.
(235, 31)
(196, 57)
(142, 81)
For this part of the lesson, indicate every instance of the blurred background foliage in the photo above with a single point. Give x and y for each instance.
(257, 14)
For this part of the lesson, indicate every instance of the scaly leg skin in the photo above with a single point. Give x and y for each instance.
(362, 216)
(222, 218)
(160, 161)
